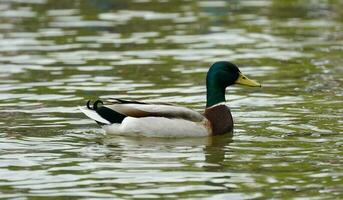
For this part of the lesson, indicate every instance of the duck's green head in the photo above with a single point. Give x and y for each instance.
(221, 75)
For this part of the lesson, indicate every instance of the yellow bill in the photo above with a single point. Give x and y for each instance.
(243, 80)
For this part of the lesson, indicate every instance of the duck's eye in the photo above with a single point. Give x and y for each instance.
(244, 77)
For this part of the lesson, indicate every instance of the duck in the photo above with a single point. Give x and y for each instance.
(155, 119)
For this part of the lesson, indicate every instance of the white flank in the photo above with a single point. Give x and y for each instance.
(93, 115)
(157, 127)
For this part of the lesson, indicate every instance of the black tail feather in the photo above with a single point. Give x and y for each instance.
(110, 115)
(105, 112)
(88, 106)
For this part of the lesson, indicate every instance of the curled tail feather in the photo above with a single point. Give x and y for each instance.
(102, 114)
(95, 104)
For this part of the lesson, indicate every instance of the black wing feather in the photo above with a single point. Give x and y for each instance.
(124, 101)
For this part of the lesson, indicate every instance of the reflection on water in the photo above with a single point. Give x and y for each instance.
(55, 55)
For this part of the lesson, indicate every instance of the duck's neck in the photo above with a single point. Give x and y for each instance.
(215, 94)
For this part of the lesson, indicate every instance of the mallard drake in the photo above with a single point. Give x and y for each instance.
(123, 117)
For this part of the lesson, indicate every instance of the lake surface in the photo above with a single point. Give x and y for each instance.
(55, 55)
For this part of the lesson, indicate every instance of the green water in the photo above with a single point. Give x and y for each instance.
(55, 55)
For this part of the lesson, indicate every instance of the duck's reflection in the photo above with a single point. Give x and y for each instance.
(207, 153)
(215, 152)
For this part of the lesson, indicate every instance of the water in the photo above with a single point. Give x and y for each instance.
(55, 55)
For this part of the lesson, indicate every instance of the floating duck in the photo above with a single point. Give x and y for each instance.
(124, 117)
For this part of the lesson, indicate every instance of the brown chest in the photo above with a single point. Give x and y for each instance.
(220, 119)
